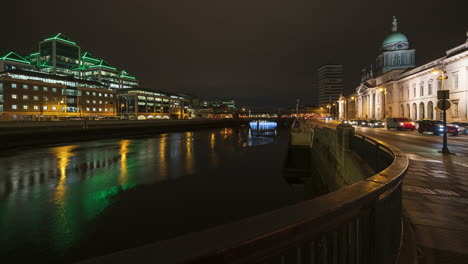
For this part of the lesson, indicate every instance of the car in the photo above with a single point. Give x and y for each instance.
(363, 123)
(376, 123)
(437, 127)
(353, 122)
(400, 123)
(462, 127)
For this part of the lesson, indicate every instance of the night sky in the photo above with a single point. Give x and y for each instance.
(262, 52)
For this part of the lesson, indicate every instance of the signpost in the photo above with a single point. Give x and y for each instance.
(444, 104)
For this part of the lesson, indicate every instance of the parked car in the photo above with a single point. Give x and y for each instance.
(400, 123)
(353, 122)
(376, 123)
(437, 127)
(363, 123)
(462, 127)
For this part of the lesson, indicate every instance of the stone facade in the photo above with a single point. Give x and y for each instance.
(412, 92)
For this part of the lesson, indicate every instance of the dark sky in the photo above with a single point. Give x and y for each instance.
(261, 52)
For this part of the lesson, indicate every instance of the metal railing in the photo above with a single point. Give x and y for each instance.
(360, 223)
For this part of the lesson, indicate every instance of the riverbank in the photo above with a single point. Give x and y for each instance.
(15, 135)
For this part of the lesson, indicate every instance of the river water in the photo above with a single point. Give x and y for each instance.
(69, 202)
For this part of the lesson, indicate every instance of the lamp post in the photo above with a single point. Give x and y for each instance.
(442, 78)
(384, 91)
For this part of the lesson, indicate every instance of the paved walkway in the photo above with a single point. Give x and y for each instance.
(435, 197)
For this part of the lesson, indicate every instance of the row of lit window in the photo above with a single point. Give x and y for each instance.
(26, 97)
(35, 107)
(94, 102)
(54, 108)
(99, 94)
(35, 87)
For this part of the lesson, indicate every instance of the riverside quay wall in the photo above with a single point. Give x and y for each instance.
(334, 162)
(30, 133)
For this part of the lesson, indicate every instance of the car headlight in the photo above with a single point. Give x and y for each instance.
(412, 123)
(456, 126)
(401, 124)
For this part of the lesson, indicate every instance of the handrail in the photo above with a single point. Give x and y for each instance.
(355, 224)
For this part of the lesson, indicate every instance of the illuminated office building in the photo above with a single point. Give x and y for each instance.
(141, 104)
(60, 55)
(30, 95)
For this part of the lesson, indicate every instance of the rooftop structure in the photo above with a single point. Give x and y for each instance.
(61, 56)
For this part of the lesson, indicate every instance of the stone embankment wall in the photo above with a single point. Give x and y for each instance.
(333, 161)
(28, 134)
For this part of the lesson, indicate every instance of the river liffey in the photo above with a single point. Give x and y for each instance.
(69, 202)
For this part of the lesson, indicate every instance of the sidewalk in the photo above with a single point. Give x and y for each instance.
(435, 197)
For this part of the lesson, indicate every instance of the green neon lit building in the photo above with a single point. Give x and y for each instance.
(62, 56)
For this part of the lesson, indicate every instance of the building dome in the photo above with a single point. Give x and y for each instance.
(393, 38)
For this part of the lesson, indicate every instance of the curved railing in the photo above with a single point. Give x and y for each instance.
(360, 223)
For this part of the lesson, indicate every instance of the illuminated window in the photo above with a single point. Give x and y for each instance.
(54, 108)
(100, 102)
(94, 101)
(87, 108)
(105, 95)
(46, 107)
(25, 107)
(36, 88)
(14, 107)
(100, 94)
(94, 109)
(45, 98)
(44, 89)
(87, 101)
(105, 102)
(87, 93)
(54, 90)
(111, 95)
(100, 109)
(94, 93)
(25, 97)
(36, 107)
(13, 85)
(14, 96)
(36, 98)
(105, 109)
(25, 86)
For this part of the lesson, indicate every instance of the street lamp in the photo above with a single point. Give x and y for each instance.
(384, 91)
(442, 78)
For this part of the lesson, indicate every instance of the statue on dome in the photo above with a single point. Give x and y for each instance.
(395, 25)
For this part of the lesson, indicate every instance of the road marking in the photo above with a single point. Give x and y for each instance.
(447, 192)
(421, 158)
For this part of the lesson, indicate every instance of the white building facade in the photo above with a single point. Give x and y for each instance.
(401, 90)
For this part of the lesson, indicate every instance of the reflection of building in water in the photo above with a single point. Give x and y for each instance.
(63, 155)
(162, 157)
(214, 156)
(189, 160)
(123, 176)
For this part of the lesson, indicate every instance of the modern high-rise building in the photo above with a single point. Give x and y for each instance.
(330, 84)
(60, 55)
